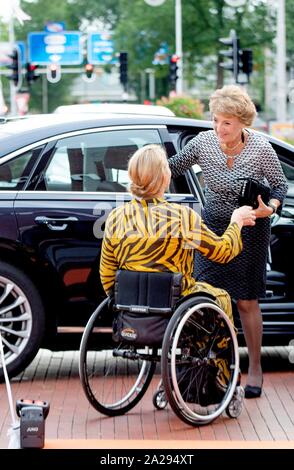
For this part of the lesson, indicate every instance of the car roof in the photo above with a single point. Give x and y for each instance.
(117, 108)
(17, 133)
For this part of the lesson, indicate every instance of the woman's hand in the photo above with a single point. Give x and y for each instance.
(262, 210)
(243, 216)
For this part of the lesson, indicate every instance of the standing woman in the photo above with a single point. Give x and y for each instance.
(225, 154)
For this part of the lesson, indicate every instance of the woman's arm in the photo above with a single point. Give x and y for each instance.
(108, 265)
(221, 249)
(185, 158)
(108, 260)
(274, 174)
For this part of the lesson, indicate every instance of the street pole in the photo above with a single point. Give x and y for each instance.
(179, 46)
(281, 103)
(268, 67)
(44, 94)
(178, 38)
(151, 83)
(12, 86)
(143, 85)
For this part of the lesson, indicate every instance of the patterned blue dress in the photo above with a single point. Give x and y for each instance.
(245, 276)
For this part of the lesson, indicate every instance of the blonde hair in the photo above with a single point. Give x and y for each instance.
(234, 101)
(148, 170)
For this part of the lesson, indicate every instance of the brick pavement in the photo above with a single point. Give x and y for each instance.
(72, 422)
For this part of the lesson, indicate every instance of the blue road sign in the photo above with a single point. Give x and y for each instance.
(54, 26)
(23, 54)
(161, 56)
(6, 50)
(62, 48)
(100, 49)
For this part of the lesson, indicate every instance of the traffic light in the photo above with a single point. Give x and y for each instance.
(53, 73)
(123, 69)
(247, 61)
(89, 70)
(173, 71)
(31, 76)
(233, 53)
(15, 66)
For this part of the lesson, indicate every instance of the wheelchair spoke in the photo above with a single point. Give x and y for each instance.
(201, 373)
(114, 379)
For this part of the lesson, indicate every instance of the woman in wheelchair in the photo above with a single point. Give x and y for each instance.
(150, 234)
(147, 255)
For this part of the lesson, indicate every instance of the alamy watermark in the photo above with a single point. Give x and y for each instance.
(137, 220)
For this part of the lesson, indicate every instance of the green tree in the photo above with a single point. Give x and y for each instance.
(289, 31)
(140, 29)
(41, 12)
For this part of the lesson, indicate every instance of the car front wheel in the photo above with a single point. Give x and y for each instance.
(22, 319)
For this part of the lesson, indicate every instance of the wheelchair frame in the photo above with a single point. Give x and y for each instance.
(192, 359)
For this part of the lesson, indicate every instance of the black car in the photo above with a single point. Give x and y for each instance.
(59, 178)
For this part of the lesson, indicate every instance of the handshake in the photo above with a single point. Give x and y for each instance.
(243, 216)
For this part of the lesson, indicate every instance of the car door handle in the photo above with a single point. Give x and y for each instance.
(53, 222)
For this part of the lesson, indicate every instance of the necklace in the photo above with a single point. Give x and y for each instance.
(232, 148)
(230, 158)
(230, 161)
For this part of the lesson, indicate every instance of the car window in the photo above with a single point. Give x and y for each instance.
(288, 172)
(198, 172)
(15, 173)
(96, 161)
(196, 168)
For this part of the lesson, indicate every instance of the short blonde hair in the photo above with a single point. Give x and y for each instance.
(233, 101)
(148, 169)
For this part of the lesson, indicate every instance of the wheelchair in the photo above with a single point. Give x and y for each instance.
(148, 327)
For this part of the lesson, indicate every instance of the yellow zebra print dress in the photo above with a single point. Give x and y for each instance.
(155, 235)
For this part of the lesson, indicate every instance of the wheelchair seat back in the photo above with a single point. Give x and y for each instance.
(147, 292)
(144, 302)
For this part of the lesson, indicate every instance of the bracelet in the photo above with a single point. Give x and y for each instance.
(273, 207)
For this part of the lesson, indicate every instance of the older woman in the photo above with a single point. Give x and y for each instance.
(230, 152)
(150, 234)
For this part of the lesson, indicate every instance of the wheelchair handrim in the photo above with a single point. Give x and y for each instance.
(177, 392)
(135, 389)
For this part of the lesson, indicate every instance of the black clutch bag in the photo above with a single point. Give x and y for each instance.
(249, 191)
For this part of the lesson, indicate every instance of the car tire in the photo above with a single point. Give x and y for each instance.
(22, 319)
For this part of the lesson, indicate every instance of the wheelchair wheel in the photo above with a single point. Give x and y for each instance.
(235, 407)
(159, 400)
(114, 377)
(200, 361)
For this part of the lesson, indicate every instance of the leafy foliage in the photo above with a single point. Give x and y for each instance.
(183, 106)
(141, 29)
(289, 31)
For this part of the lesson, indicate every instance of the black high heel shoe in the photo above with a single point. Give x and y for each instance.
(252, 391)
